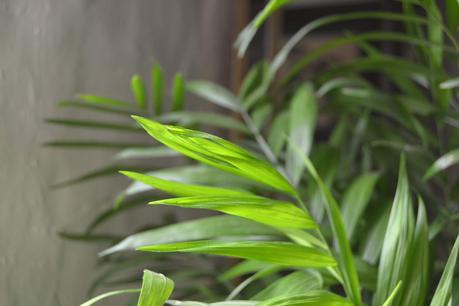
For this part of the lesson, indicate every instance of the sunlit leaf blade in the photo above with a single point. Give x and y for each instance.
(302, 121)
(214, 93)
(181, 189)
(292, 284)
(356, 199)
(442, 296)
(280, 214)
(246, 36)
(227, 303)
(139, 91)
(216, 152)
(442, 163)
(392, 296)
(200, 229)
(109, 294)
(271, 252)
(157, 87)
(397, 240)
(156, 289)
(345, 258)
(93, 124)
(311, 298)
(97, 100)
(178, 93)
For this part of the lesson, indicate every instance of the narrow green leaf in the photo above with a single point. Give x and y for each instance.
(394, 293)
(280, 214)
(214, 93)
(271, 252)
(302, 121)
(93, 124)
(295, 283)
(279, 128)
(345, 259)
(263, 273)
(242, 268)
(109, 294)
(98, 107)
(151, 152)
(227, 303)
(139, 91)
(181, 189)
(92, 144)
(97, 100)
(356, 199)
(156, 289)
(452, 14)
(397, 241)
(157, 86)
(442, 163)
(178, 93)
(312, 298)
(443, 293)
(216, 152)
(200, 229)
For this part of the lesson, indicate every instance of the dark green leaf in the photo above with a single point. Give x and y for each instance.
(178, 93)
(157, 87)
(139, 91)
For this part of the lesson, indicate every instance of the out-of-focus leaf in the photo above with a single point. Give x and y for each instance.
(246, 36)
(280, 214)
(181, 189)
(94, 124)
(345, 258)
(227, 303)
(151, 152)
(442, 163)
(157, 87)
(260, 115)
(216, 152)
(178, 93)
(109, 294)
(156, 289)
(265, 272)
(295, 283)
(242, 268)
(302, 121)
(356, 199)
(392, 296)
(98, 107)
(93, 144)
(205, 118)
(214, 93)
(97, 100)
(449, 84)
(452, 14)
(200, 229)
(271, 252)
(139, 91)
(278, 132)
(443, 293)
(311, 298)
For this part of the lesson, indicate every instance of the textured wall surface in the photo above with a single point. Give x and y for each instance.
(49, 50)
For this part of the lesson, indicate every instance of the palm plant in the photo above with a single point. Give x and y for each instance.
(323, 221)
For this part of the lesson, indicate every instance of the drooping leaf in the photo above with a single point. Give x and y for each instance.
(216, 152)
(200, 229)
(97, 100)
(156, 289)
(94, 124)
(157, 87)
(178, 93)
(93, 144)
(99, 108)
(214, 93)
(149, 152)
(443, 293)
(279, 214)
(139, 91)
(271, 252)
(302, 121)
(442, 163)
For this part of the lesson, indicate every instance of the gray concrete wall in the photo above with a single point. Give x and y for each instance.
(49, 50)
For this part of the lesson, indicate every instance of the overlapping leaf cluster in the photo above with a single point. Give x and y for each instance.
(361, 211)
